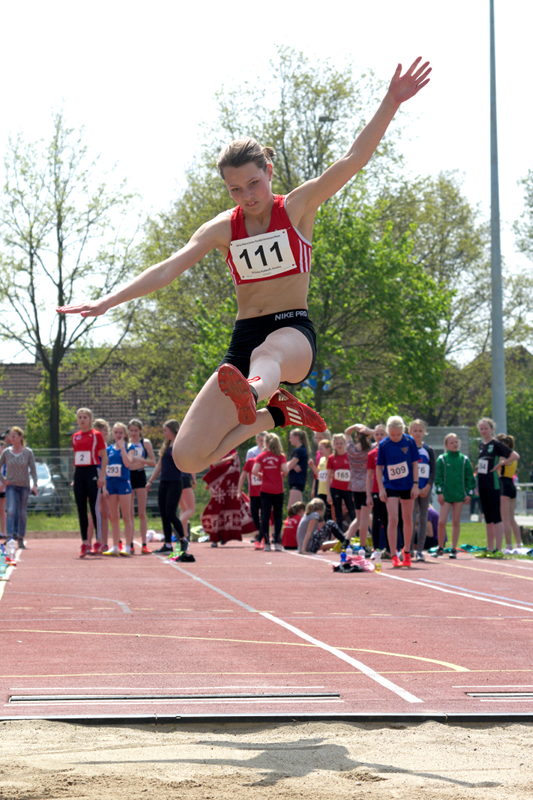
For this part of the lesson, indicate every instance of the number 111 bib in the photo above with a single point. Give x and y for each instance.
(263, 256)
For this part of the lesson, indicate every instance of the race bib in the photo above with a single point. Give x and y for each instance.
(397, 471)
(256, 480)
(423, 470)
(138, 450)
(82, 458)
(483, 466)
(342, 475)
(114, 470)
(323, 475)
(263, 256)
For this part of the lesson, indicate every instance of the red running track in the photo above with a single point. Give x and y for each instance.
(241, 632)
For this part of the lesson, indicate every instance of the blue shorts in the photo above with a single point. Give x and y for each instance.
(118, 486)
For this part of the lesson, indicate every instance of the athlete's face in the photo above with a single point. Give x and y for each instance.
(485, 431)
(15, 438)
(379, 434)
(84, 421)
(417, 432)
(168, 433)
(453, 443)
(250, 186)
(340, 446)
(134, 432)
(118, 433)
(395, 434)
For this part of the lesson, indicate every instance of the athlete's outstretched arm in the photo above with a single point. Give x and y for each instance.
(208, 237)
(311, 194)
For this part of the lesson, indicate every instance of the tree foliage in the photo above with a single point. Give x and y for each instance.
(59, 241)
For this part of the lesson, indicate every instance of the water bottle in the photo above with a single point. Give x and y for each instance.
(11, 550)
(377, 561)
(361, 552)
(3, 565)
(349, 551)
(343, 556)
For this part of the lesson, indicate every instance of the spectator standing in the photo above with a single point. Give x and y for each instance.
(144, 457)
(259, 445)
(271, 465)
(89, 453)
(297, 465)
(397, 476)
(170, 486)
(379, 508)
(426, 479)
(3, 444)
(20, 465)
(254, 493)
(120, 457)
(492, 454)
(454, 484)
(508, 498)
(338, 480)
(357, 449)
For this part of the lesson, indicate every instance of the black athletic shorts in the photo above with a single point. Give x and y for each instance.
(359, 499)
(403, 494)
(250, 333)
(508, 487)
(138, 478)
(489, 500)
(186, 480)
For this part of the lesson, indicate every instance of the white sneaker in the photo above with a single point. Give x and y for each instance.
(278, 547)
(267, 548)
(419, 556)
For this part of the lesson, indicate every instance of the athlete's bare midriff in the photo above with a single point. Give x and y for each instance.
(268, 297)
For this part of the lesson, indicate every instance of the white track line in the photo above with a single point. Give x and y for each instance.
(426, 584)
(334, 651)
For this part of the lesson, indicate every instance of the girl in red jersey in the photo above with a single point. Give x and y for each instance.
(254, 493)
(89, 453)
(271, 465)
(338, 480)
(266, 240)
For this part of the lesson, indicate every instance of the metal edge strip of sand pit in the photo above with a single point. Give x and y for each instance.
(166, 719)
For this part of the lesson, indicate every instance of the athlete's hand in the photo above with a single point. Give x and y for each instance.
(415, 492)
(403, 87)
(93, 308)
(440, 498)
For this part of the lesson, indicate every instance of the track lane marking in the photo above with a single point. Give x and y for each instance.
(334, 651)
(426, 583)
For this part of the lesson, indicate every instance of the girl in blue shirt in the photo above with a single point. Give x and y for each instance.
(397, 476)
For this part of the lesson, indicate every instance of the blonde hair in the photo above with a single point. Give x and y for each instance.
(338, 437)
(316, 504)
(273, 444)
(490, 422)
(449, 436)
(20, 431)
(123, 428)
(102, 425)
(395, 422)
(325, 443)
(85, 411)
(418, 422)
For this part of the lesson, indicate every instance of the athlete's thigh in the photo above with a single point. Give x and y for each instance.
(211, 416)
(291, 349)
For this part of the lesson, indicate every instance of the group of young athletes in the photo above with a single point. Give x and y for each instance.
(378, 482)
(110, 483)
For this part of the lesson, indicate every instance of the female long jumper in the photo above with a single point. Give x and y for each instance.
(266, 241)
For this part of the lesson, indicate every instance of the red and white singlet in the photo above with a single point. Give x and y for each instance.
(281, 251)
(87, 445)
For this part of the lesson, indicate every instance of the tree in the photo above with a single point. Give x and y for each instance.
(524, 227)
(59, 239)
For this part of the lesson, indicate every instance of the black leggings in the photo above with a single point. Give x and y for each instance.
(271, 502)
(168, 497)
(255, 511)
(339, 496)
(380, 520)
(86, 489)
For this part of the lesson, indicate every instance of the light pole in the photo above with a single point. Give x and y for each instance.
(499, 412)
